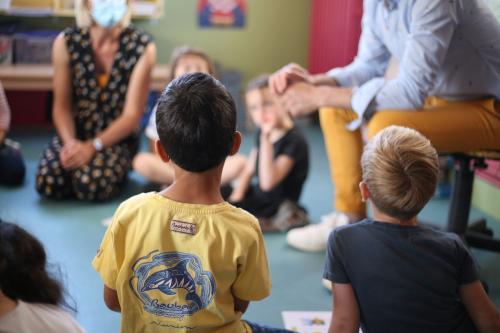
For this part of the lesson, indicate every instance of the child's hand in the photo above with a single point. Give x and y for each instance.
(266, 128)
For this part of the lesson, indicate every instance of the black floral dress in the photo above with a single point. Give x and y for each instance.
(95, 108)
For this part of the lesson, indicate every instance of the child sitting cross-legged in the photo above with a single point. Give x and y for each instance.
(390, 274)
(271, 183)
(183, 259)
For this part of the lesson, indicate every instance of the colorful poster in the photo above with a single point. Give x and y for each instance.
(222, 13)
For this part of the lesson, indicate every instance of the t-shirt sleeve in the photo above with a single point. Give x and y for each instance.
(105, 262)
(468, 271)
(294, 147)
(334, 263)
(253, 282)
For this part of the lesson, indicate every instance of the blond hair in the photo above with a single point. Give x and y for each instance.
(400, 169)
(84, 18)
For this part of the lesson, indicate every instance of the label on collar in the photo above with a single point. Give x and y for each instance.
(183, 227)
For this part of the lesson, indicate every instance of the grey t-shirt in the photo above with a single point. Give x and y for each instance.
(405, 278)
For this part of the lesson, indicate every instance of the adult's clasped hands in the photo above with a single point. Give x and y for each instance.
(295, 87)
(75, 154)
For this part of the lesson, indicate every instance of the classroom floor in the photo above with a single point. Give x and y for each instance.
(72, 231)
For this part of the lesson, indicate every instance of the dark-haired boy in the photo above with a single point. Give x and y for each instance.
(184, 260)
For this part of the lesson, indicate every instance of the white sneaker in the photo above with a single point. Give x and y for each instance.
(107, 221)
(313, 238)
(327, 284)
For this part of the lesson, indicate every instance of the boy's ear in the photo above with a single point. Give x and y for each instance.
(236, 143)
(161, 151)
(365, 193)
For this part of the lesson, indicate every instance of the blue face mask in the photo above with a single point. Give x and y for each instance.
(108, 13)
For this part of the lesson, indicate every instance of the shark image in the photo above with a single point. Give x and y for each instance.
(176, 277)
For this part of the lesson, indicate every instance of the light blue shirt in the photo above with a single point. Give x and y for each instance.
(445, 48)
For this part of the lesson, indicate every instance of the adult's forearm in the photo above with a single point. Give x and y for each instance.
(339, 97)
(119, 129)
(323, 80)
(64, 124)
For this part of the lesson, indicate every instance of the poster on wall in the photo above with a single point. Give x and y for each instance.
(222, 13)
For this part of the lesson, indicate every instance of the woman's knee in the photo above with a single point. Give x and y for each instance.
(96, 185)
(52, 180)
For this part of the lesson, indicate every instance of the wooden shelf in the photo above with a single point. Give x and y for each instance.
(39, 77)
(141, 9)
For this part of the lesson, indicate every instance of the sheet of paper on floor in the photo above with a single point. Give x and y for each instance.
(307, 321)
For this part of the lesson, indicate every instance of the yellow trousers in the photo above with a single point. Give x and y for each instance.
(451, 126)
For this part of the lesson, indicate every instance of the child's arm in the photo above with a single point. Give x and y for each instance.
(271, 171)
(111, 299)
(345, 317)
(244, 180)
(240, 305)
(4, 114)
(480, 308)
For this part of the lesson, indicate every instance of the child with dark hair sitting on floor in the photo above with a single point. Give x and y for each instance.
(271, 183)
(30, 298)
(183, 259)
(390, 274)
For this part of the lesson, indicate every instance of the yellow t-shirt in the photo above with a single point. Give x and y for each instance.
(176, 266)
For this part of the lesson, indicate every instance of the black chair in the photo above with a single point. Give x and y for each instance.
(476, 234)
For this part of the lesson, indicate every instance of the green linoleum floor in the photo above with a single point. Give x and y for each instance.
(72, 231)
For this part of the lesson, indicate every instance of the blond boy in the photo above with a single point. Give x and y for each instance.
(390, 274)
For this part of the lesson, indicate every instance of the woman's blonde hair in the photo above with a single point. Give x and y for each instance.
(84, 19)
(400, 169)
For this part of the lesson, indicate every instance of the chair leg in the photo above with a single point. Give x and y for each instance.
(482, 241)
(458, 213)
(477, 234)
(480, 226)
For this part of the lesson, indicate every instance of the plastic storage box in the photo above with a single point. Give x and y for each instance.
(33, 47)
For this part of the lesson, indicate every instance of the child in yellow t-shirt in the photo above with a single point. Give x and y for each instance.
(184, 260)
(184, 60)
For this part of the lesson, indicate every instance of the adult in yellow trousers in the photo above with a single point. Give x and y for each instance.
(447, 87)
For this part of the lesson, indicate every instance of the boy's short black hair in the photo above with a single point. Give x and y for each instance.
(196, 121)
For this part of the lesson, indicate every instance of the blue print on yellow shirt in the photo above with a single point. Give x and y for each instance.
(172, 284)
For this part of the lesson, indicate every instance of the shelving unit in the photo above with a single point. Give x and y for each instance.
(39, 77)
(141, 9)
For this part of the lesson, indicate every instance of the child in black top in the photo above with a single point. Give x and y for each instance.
(278, 164)
(390, 274)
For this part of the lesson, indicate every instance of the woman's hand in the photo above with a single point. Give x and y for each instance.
(76, 154)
